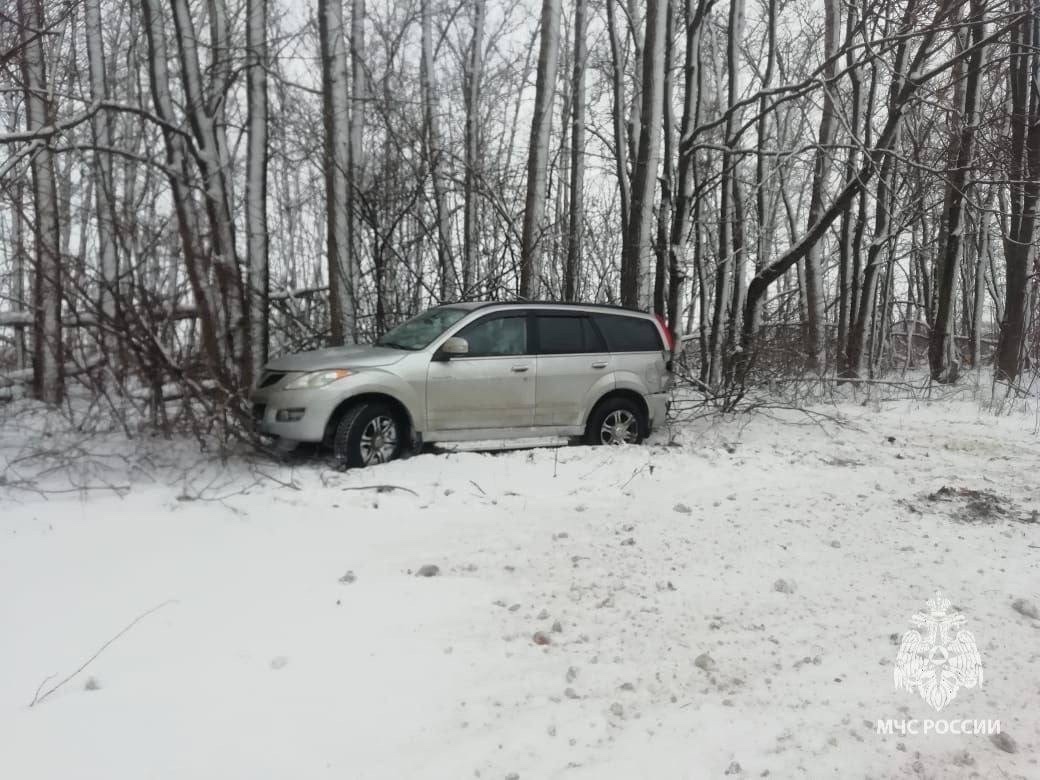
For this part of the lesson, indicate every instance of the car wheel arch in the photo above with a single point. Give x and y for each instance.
(627, 394)
(404, 415)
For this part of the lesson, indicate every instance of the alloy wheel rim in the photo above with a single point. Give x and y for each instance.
(379, 440)
(619, 427)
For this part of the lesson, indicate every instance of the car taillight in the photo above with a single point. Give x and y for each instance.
(669, 337)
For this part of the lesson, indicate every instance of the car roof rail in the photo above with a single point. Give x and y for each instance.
(607, 306)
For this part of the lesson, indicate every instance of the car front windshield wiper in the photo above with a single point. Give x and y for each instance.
(395, 345)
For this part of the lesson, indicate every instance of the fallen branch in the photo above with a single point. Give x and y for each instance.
(38, 699)
(383, 488)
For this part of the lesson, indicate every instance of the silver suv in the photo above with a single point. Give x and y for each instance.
(475, 371)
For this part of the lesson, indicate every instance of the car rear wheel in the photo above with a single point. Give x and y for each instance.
(367, 434)
(616, 421)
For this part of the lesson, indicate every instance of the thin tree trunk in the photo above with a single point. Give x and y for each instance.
(104, 188)
(618, 115)
(682, 215)
(256, 181)
(335, 113)
(355, 158)
(962, 152)
(662, 250)
(474, 73)
(48, 351)
(196, 263)
(726, 272)
(635, 271)
(816, 326)
(1024, 170)
(538, 156)
(435, 157)
(576, 201)
(230, 301)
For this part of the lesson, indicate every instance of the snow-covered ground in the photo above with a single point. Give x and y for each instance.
(726, 599)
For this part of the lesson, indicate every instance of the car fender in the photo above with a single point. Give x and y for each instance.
(619, 380)
(376, 380)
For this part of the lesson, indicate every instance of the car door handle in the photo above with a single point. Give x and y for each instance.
(600, 364)
(520, 369)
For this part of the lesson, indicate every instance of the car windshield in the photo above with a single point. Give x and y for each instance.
(419, 331)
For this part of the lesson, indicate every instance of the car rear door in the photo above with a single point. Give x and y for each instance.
(638, 351)
(491, 387)
(573, 365)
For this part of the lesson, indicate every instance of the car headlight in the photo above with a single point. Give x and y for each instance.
(315, 379)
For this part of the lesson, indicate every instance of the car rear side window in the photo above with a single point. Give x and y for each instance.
(496, 336)
(629, 334)
(566, 335)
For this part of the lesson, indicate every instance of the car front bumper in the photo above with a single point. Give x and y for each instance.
(310, 426)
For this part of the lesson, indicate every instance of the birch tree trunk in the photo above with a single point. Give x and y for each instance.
(635, 260)
(48, 350)
(256, 181)
(538, 156)
(336, 115)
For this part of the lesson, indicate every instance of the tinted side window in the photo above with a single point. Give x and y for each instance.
(629, 334)
(496, 336)
(593, 338)
(560, 335)
(564, 335)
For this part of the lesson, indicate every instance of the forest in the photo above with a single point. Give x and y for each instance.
(839, 189)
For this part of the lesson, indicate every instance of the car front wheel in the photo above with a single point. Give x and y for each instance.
(616, 421)
(368, 433)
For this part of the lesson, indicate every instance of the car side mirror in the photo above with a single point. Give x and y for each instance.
(453, 347)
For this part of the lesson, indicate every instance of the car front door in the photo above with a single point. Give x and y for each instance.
(572, 361)
(492, 386)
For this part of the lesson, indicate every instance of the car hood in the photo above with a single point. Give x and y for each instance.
(353, 356)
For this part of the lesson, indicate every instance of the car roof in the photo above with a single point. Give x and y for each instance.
(577, 306)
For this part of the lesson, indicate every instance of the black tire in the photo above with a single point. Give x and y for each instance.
(619, 410)
(368, 434)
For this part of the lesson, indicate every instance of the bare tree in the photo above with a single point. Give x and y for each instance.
(48, 352)
(104, 185)
(815, 327)
(1024, 176)
(962, 154)
(635, 266)
(256, 180)
(435, 155)
(576, 201)
(538, 155)
(471, 91)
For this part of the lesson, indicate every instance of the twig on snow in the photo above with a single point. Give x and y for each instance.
(383, 488)
(38, 699)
